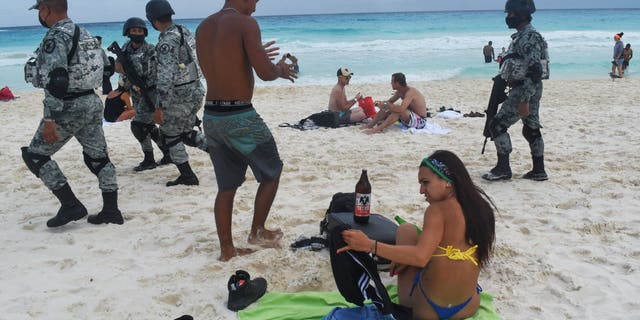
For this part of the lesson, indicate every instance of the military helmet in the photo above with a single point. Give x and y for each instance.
(523, 7)
(134, 23)
(158, 8)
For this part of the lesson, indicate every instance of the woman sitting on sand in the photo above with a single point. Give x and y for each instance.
(438, 268)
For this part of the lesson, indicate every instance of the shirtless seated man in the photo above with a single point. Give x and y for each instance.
(338, 100)
(412, 112)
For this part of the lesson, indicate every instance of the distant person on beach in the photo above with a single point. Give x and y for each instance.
(489, 54)
(230, 50)
(179, 91)
(108, 71)
(71, 109)
(412, 112)
(618, 58)
(142, 56)
(627, 54)
(294, 63)
(501, 56)
(117, 106)
(338, 100)
(438, 265)
(524, 67)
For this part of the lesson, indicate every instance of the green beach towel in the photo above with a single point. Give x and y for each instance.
(315, 305)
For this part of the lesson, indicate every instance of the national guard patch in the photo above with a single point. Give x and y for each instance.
(164, 49)
(49, 46)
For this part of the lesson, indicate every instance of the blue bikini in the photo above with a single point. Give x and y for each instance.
(443, 312)
(452, 254)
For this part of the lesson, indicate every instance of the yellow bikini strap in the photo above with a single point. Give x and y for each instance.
(455, 254)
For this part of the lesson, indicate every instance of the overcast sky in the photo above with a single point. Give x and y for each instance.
(14, 12)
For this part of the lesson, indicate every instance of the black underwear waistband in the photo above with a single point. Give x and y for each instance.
(226, 105)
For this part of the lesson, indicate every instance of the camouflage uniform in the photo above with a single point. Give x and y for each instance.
(529, 48)
(79, 113)
(143, 60)
(179, 90)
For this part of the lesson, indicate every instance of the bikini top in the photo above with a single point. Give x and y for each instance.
(456, 254)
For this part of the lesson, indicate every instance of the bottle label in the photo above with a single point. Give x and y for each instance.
(363, 204)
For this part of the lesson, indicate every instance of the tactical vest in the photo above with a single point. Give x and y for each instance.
(513, 67)
(84, 63)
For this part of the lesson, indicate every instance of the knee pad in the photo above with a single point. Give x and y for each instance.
(154, 133)
(531, 134)
(140, 130)
(497, 127)
(95, 165)
(34, 161)
(189, 138)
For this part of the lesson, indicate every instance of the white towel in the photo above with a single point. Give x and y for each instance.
(431, 127)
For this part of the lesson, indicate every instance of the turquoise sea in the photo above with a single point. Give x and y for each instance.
(424, 45)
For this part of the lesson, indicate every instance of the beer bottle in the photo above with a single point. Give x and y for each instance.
(363, 199)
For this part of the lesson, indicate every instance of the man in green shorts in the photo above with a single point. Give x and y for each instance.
(228, 47)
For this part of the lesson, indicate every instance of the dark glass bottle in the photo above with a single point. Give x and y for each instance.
(363, 199)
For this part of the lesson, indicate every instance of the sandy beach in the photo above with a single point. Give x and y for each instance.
(567, 248)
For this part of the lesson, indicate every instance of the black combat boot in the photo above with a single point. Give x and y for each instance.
(148, 163)
(110, 212)
(502, 171)
(166, 157)
(71, 208)
(187, 177)
(537, 173)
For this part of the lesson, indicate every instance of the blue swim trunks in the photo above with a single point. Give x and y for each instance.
(238, 138)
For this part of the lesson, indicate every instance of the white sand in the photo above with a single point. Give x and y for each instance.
(568, 248)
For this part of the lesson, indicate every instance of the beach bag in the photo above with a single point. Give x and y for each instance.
(358, 280)
(6, 94)
(324, 119)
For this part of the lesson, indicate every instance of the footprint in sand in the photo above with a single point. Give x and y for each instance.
(170, 299)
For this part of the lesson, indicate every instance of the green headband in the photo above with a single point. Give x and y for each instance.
(438, 167)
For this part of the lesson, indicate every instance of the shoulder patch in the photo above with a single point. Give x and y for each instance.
(164, 48)
(49, 45)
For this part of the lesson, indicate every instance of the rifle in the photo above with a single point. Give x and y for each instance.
(131, 73)
(497, 97)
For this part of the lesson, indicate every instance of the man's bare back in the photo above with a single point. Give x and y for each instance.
(417, 102)
(229, 47)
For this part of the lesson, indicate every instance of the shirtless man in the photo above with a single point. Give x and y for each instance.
(412, 112)
(338, 100)
(229, 50)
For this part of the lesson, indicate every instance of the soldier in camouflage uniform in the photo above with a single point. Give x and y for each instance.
(142, 56)
(69, 66)
(524, 67)
(180, 91)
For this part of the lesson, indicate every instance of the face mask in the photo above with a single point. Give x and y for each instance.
(137, 38)
(514, 22)
(44, 24)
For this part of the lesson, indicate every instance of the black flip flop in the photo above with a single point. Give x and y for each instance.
(313, 244)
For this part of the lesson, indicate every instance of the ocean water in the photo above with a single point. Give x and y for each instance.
(424, 45)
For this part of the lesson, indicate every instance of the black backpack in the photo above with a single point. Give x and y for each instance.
(340, 202)
(324, 119)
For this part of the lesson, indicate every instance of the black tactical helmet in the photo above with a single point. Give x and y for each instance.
(522, 7)
(157, 9)
(134, 23)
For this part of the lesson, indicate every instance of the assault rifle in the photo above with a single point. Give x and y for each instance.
(131, 73)
(497, 97)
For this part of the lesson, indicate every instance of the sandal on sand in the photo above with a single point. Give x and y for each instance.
(244, 291)
(313, 244)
